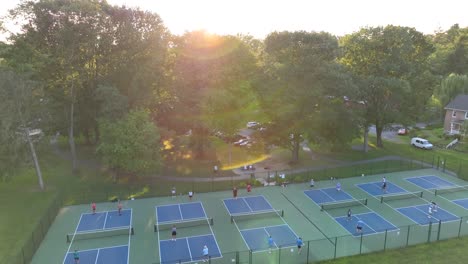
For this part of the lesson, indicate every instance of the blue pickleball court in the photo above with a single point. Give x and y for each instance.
(430, 182)
(373, 223)
(245, 205)
(257, 238)
(104, 220)
(420, 214)
(327, 195)
(180, 212)
(375, 188)
(188, 249)
(114, 255)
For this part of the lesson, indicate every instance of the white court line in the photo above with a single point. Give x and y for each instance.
(130, 235)
(73, 238)
(250, 208)
(180, 212)
(157, 231)
(281, 218)
(105, 221)
(190, 252)
(97, 256)
(268, 234)
(240, 233)
(211, 229)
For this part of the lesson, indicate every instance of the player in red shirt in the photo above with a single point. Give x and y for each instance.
(93, 207)
(249, 187)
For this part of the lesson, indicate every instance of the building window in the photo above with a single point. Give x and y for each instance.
(466, 115)
(454, 113)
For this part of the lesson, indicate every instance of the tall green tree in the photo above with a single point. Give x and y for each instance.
(390, 60)
(20, 114)
(206, 69)
(131, 144)
(299, 80)
(450, 87)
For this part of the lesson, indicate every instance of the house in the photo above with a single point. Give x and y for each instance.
(456, 116)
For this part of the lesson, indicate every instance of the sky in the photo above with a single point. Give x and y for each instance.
(260, 17)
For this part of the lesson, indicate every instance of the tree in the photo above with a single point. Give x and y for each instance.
(130, 144)
(20, 111)
(206, 68)
(390, 62)
(299, 78)
(450, 87)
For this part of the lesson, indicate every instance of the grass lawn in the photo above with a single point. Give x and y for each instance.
(447, 251)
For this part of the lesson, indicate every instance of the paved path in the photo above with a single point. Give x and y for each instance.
(93, 164)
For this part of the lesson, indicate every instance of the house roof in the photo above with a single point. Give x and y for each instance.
(459, 103)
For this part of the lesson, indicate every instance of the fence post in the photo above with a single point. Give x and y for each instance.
(279, 255)
(407, 236)
(308, 249)
(385, 241)
(24, 257)
(438, 162)
(237, 257)
(429, 232)
(360, 245)
(443, 163)
(336, 244)
(250, 256)
(432, 164)
(460, 226)
(438, 231)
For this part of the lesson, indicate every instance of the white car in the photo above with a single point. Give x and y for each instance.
(252, 124)
(421, 143)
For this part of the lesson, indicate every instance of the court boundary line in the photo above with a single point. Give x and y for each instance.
(325, 212)
(188, 246)
(376, 182)
(264, 228)
(268, 234)
(96, 249)
(105, 221)
(211, 229)
(97, 256)
(73, 239)
(129, 236)
(375, 232)
(186, 239)
(414, 206)
(442, 179)
(180, 212)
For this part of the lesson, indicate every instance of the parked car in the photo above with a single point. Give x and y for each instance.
(421, 143)
(252, 124)
(403, 131)
(241, 142)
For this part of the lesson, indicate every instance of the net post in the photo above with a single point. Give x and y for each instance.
(421, 194)
(282, 213)
(211, 221)
(68, 238)
(435, 192)
(381, 199)
(321, 207)
(155, 228)
(132, 231)
(365, 201)
(232, 219)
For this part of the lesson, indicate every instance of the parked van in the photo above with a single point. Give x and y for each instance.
(421, 143)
